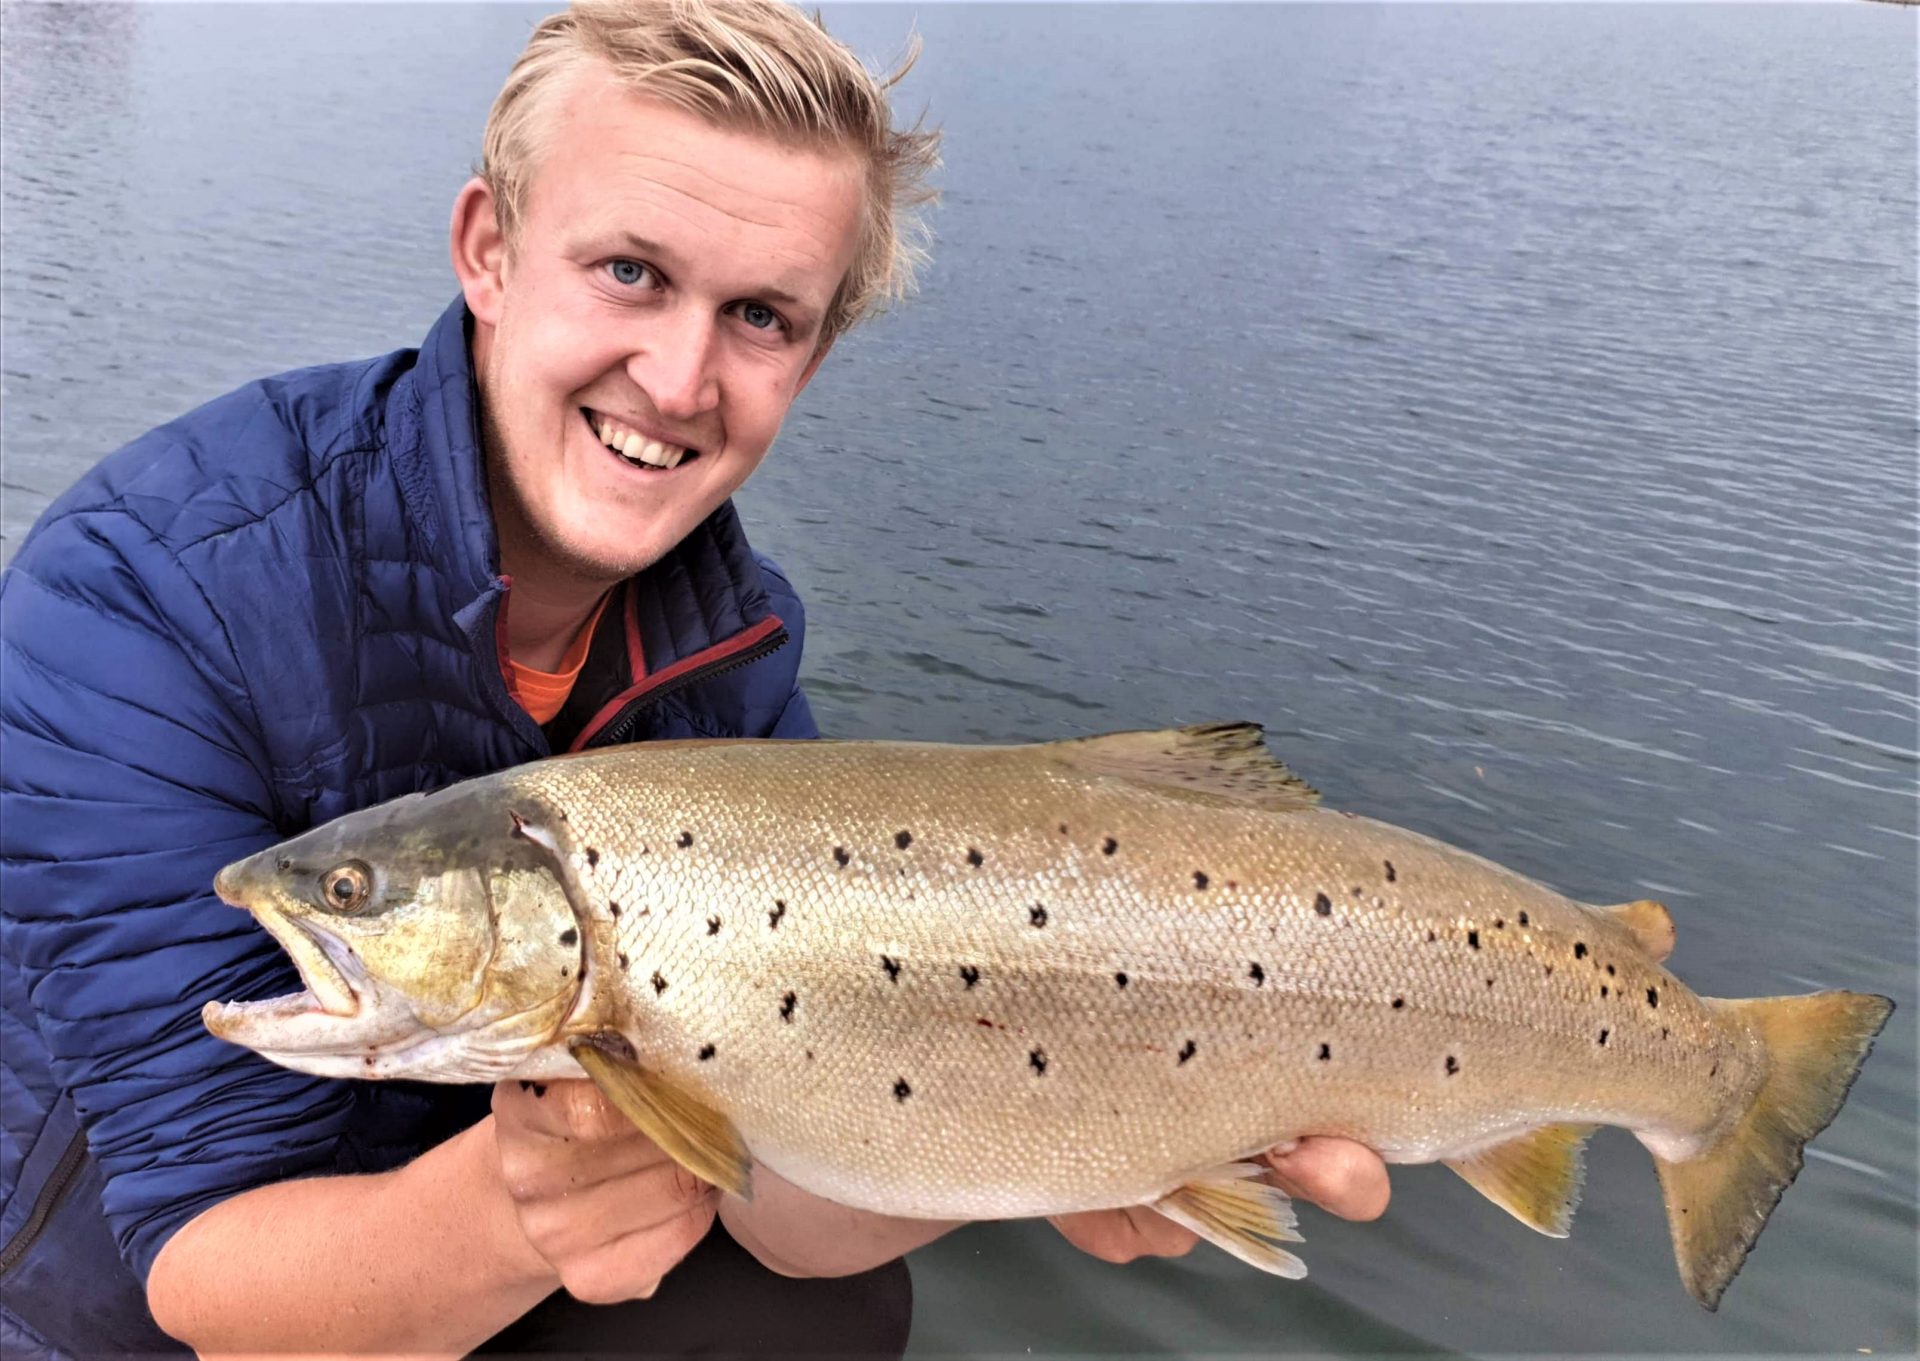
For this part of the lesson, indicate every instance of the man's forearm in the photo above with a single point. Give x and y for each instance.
(798, 1234)
(427, 1260)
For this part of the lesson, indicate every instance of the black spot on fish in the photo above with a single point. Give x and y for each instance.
(659, 983)
(1489, 983)
(1326, 1052)
(840, 856)
(903, 839)
(1453, 1065)
(1037, 1060)
(1609, 971)
(1109, 846)
(1664, 1032)
(901, 1091)
(1120, 979)
(623, 959)
(539, 1090)
(1603, 1037)
(892, 966)
(706, 1052)
(969, 974)
(1391, 876)
(1324, 905)
(809, 1056)
(774, 916)
(1603, 989)
(614, 909)
(1257, 974)
(1549, 971)
(1653, 997)
(1188, 1051)
(1523, 919)
(1714, 1071)
(1579, 949)
(684, 840)
(713, 926)
(1431, 937)
(1199, 879)
(974, 858)
(787, 1004)
(1499, 923)
(1399, 1003)
(1037, 915)
(593, 857)
(1473, 939)
(1063, 829)
(569, 936)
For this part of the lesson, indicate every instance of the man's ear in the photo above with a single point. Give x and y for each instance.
(479, 250)
(813, 365)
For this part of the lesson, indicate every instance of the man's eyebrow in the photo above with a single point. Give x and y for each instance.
(769, 293)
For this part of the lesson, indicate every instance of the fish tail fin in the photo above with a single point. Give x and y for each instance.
(1719, 1199)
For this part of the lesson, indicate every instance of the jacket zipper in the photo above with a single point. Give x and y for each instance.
(46, 1203)
(621, 725)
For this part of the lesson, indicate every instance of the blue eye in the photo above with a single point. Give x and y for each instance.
(759, 316)
(628, 272)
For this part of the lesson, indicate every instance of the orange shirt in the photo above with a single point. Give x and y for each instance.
(544, 693)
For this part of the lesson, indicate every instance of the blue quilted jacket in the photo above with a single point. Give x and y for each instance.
(280, 608)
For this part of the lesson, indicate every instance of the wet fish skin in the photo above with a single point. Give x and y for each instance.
(993, 982)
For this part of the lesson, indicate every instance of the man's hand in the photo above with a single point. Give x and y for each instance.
(1338, 1175)
(595, 1197)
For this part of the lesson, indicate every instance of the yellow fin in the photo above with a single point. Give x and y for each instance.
(1213, 762)
(694, 1135)
(1535, 1178)
(1244, 1216)
(1648, 922)
(1718, 1200)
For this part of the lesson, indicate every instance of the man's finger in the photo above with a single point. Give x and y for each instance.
(1338, 1175)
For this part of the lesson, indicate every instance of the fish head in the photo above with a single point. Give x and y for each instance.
(435, 941)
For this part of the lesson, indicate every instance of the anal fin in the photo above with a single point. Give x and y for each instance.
(693, 1134)
(1240, 1214)
(1535, 1178)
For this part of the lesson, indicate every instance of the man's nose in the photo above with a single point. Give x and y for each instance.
(675, 365)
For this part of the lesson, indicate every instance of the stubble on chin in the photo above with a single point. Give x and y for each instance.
(526, 545)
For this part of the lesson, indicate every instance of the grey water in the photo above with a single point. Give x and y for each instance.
(1513, 408)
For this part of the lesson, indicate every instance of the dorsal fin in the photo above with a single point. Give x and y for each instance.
(1215, 761)
(1648, 922)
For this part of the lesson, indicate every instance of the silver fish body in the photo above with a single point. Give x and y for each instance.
(975, 982)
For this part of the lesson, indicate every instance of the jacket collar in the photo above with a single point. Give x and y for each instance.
(705, 594)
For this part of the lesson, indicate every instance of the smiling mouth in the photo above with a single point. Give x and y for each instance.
(635, 449)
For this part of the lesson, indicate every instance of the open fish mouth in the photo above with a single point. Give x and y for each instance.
(335, 985)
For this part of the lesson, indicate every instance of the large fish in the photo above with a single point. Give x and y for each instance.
(991, 982)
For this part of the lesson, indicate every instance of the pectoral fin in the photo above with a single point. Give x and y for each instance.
(1535, 1178)
(1241, 1215)
(694, 1135)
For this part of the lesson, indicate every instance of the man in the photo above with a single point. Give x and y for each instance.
(338, 586)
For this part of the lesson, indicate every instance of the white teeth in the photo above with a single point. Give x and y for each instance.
(637, 448)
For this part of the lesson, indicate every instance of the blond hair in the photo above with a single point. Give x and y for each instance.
(754, 64)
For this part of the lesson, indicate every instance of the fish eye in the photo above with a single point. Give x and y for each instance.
(346, 888)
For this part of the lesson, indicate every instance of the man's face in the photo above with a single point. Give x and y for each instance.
(670, 281)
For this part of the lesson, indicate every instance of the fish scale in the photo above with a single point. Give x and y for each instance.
(991, 982)
(1111, 1054)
